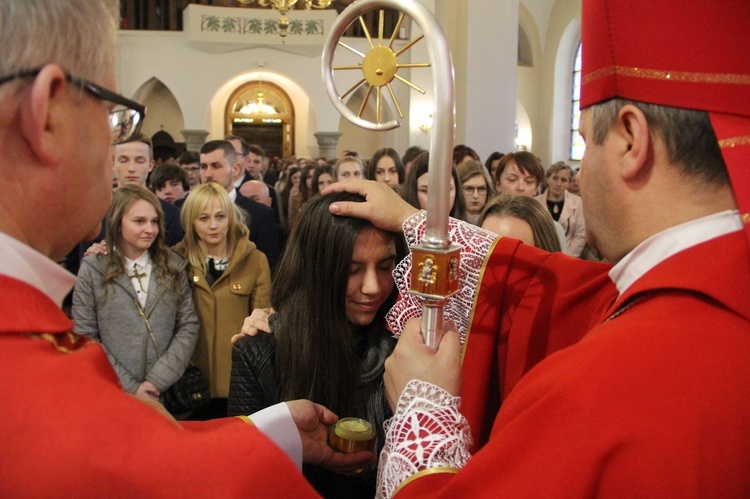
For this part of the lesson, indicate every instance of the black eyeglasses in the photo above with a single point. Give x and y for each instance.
(125, 118)
(469, 190)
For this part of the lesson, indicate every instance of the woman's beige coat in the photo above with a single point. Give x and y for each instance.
(222, 308)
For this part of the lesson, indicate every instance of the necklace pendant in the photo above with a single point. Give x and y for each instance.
(137, 276)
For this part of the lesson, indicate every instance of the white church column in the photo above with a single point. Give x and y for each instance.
(327, 143)
(194, 139)
(485, 61)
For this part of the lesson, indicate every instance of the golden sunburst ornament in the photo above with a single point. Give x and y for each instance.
(380, 66)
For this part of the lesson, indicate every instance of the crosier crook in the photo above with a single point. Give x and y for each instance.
(435, 261)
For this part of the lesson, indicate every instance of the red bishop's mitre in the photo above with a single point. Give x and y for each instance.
(693, 54)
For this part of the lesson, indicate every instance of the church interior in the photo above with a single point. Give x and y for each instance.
(208, 68)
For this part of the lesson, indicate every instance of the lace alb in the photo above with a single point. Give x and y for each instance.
(426, 431)
(475, 246)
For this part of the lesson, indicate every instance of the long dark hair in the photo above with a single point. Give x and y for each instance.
(307, 172)
(410, 188)
(461, 151)
(287, 188)
(317, 351)
(320, 170)
(391, 153)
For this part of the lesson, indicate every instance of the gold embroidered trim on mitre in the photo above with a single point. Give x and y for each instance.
(428, 471)
(661, 74)
(743, 140)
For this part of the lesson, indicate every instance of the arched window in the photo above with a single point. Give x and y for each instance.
(576, 142)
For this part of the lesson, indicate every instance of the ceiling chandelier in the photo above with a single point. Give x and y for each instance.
(258, 107)
(284, 6)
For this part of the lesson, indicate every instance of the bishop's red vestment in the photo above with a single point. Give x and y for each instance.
(649, 398)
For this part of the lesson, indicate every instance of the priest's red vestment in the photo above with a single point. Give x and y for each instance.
(68, 429)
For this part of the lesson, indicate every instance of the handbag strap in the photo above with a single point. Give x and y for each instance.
(148, 326)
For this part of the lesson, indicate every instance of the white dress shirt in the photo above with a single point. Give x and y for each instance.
(142, 265)
(671, 241)
(26, 264)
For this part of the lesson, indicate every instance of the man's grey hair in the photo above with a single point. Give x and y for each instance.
(78, 35)
(688, 136)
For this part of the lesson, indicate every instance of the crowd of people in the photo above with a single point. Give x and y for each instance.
(156, 310)
(285, 282)
(299, 179)
(322, 346)
(236, 225)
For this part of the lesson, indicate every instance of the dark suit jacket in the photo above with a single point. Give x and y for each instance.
(173, 231)
(270, 177)
(263, 229)
(275, 203)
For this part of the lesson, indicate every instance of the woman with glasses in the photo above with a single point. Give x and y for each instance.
(136, 300)
(477, 187)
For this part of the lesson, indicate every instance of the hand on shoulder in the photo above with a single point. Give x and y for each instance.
(254, 324)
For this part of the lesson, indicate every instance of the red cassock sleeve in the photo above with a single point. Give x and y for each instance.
(530, 303)
(67, 429)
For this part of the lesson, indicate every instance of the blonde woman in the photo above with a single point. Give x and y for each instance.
(349, 168)
(521, 217)
(565, 208)
(230, 277)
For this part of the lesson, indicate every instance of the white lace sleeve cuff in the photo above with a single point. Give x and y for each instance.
(476, 244)
(427, 431)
